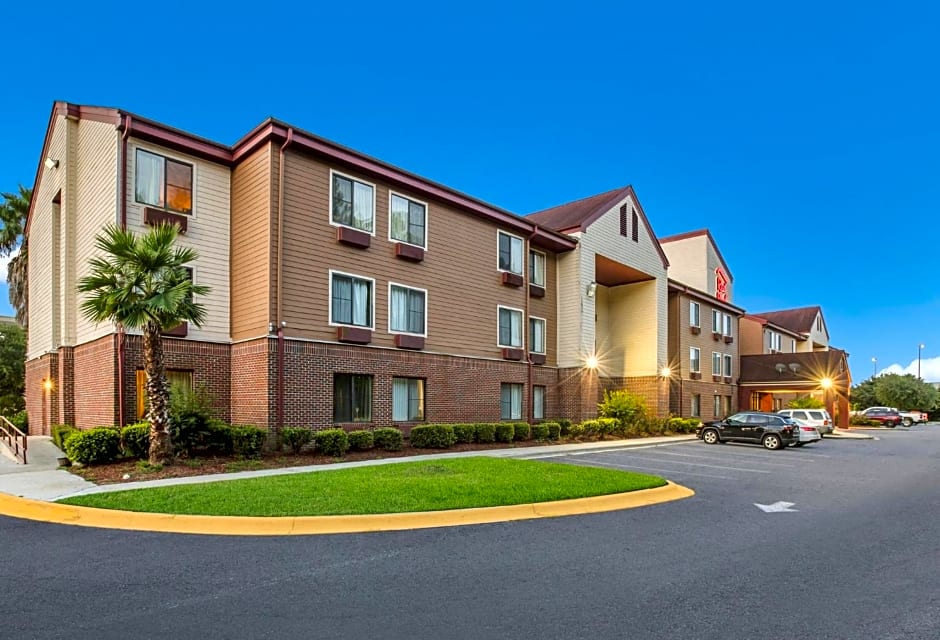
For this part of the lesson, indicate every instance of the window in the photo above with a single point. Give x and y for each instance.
(352, 203)
(818, 322)
(726, 328)
(636, 227)
(537, 335)
(717, 411)
(695, 360)
(510, 327)
(163, 183)
(537, 268)
(407, 220)
(350, 300)
(510, 401)
(727, 368)
(407, 399)
(792, 345)
(716, 321)
(174, 379)
(716, 364)
(352, 398)
(774, 341)
(623, 221)
(696, 405)
(406, 310)
(538, 403)
(755, 401)
(510, 253)
(695, 314)
(726, 405)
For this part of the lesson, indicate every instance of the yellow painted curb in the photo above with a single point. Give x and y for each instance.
(312, 525)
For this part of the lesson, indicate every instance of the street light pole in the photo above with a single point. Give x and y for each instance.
(920, 348)
(874, 366)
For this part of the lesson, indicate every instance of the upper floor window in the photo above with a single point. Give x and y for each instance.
(510, 328)
(727, 370)
(818, 323)
(537, 268)
(537, 335)
(352, 203)
(510, 253)
(406, 310)
(162, 182)
(350, 300)
(792, 345)
(716, 321)
(695, 314)
(408, 220)
(774, 341)
(726, 328)
(716, 363)
(695, 360)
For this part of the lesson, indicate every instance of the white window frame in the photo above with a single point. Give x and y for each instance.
(538, 403)
(330, 301)
(695, 314)
(539, 282)
(774, 339)
(174, 158)
(726, 327)
(716, 371)
(423, 395)
(717, 410)
(695, 354)
(523, 328)
(716, 321)
(405, 286)
(696, 408)
(512, 411)
(544, 335)
(521, 240)
(792, 345)
(392, 194)
(726, 365)
(360, 181)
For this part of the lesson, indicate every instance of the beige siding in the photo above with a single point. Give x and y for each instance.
(547, 307)
(635, 348)
(752, 337)
(208, 233)
(818, 339)
(252, 193)
(713, 262)
(573, 307)
(688, 262)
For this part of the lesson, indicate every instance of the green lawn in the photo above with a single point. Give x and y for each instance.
(393, 488)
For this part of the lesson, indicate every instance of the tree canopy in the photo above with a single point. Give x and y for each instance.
(12, 357)
(906, 392)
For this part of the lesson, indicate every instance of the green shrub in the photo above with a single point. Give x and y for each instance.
(135, 440)
(20, 421)
(295, 438)
(504, 431)
(388, 438)
(649, 426)
(624, 406)
(564, 424)
(540, 431)
(554, 430)
(248, 440)
(861, 421)
(332, 442)
(432, 436)
(682, 425)
(61, 433)
(576, 430)
(464, 433)
(484, 432)
(521, 431)
(361, 440)
(219, 437)
(95, 446)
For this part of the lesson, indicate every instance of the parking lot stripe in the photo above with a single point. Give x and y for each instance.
(698, 464)
(653, 469)
(708, 457)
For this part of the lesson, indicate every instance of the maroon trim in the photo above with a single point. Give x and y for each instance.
(154, 217)
(405, 341)
(354, 335)
(537, 358)
(695, 375)
(513, 354)
(716, 336)
(512, 279)
(729, 339)
(353, 237)
(409, 252)
(536, 291)
(179, 331)
(695, 330)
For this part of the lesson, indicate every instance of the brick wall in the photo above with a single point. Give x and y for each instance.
(707, 390)
(653, 389)
(95, 389)
(41, 406)
(253, 382)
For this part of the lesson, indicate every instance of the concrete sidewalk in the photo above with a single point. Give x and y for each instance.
(41, 478)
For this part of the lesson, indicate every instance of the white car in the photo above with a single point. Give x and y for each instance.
(819, 418)
(807, 434)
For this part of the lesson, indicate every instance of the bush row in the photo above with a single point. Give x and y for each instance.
(443, 436)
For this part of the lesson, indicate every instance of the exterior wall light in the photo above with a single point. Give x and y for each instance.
(591, 362)
(47, 384)
(665, 372)
(825, 383)
(591, 290)
(50, 163)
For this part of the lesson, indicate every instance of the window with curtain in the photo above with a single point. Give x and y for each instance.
(407, 220)
(538, 403)
(727, 368)
(716, 364)
(695, 360)
(510, 328)
(510, 401)
(175, 379)
(717, 410)
(406, 310)
(351, 300)
(352, 398)
(510, 253)
(726, 329)
(695, 314)
(162, 182)
(716, 321)
(407, 399)
(537, 335)
(696, 405)
(537, 268)
(352, 203)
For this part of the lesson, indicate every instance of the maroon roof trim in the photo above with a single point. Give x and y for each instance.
(692, 292)
(694, 234)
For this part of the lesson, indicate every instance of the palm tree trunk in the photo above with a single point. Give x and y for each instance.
(161, 445)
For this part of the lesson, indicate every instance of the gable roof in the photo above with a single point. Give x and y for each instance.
(695, 234)
(763, 369)
(577, 216)
(765, 322)
(797, 320)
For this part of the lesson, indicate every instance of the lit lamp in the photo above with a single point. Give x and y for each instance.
(665, 372)
(874, 366)
(591, 289)
(47, 384)
(591, 362)
(920, 348)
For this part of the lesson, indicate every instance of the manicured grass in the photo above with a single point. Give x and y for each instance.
(430, 485)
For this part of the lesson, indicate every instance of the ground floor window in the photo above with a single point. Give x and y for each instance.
(755, 401)
(407, 399)
(510, 401)
(696, 405)
(175, 379)
(726, 405)
(717, 411)
(538, 403)
(778, 404)
(352, 398)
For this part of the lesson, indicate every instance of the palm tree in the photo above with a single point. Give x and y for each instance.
(13, 212)
(143, 283)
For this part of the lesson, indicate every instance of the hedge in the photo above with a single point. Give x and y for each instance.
(485, 432)
(332, 442)
(504, 431)
(361, 440)
(540, 431)
(95, 446)
(433, 436)
(248, 441)
(521, 431)
(295, 438)
(388, 438)
(464, 433)
(135, 440)
(61, 433)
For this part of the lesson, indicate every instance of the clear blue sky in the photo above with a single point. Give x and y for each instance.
(805, 136)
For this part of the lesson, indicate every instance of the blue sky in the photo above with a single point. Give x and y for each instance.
(805, 136)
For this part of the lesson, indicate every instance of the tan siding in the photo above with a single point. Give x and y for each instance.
(752, 338)
(688, 262)
(251, 244)
(547, 307)
(571, 309)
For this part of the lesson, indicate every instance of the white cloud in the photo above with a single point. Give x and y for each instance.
(4, 261)
(929, 369)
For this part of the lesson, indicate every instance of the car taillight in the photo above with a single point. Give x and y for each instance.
(825, 423)
(808, 428)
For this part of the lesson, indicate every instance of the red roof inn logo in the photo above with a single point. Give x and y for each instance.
(721, 285)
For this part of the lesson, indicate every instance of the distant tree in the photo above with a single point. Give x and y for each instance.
(13, 212)
(12, 357)
(905, 392)
(806, 402)
(863, 395)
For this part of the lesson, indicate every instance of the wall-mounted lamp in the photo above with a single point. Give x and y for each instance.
(591, 362)
(665, 372)
(47, 384)
(50, 163)
(591, 290)
(825, 383)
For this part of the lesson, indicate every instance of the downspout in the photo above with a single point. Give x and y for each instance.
(279, 401)
(525, 328)
(126, 124)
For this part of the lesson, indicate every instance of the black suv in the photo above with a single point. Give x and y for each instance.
(769, 429)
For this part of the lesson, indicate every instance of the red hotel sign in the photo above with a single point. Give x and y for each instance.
(721, 285)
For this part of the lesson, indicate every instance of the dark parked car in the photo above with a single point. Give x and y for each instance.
(887, 417)
(769, 429)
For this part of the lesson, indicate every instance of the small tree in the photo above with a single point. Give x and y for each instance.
(905, 392)
(12, 358)
(863, 395)
(806, 402)
(142, 283)
(626, 407)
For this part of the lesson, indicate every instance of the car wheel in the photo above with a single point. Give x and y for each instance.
(772, 441)
(710, 437)
(907, 422)
(891, 424)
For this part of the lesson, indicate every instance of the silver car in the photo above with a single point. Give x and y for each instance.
(819, 418)
(807, 433)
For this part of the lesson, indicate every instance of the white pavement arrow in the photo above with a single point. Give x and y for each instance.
(777, 507)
